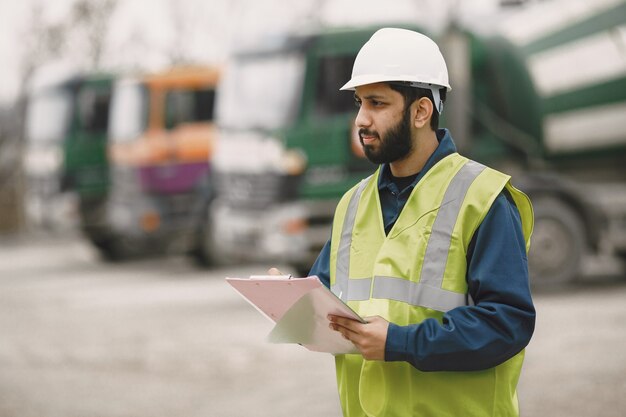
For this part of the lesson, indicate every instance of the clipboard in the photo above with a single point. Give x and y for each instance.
(299, 307)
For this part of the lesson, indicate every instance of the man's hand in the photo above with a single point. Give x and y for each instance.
(369, 338)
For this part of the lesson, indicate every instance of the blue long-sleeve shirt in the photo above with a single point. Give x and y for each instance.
(502, 319)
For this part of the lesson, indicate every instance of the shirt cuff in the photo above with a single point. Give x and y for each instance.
(397, 342)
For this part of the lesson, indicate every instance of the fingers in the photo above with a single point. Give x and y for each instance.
(342, 321)
(274, 271)
(369, 338)
(344, 331)
(348, 328)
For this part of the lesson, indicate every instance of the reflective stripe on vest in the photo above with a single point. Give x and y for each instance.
(428, 292)
(340, 289)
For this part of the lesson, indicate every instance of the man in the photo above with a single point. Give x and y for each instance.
(431, 250)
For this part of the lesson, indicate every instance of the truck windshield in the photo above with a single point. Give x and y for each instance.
(261, 91)
(48, 116)
(189, 106)
(93, 109)
(129, 111)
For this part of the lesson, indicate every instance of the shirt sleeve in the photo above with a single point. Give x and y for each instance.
(502, 319)
(321, 267)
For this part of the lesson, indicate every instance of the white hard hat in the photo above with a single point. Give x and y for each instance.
(400, 55)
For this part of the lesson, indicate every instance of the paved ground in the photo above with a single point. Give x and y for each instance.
(79, 338)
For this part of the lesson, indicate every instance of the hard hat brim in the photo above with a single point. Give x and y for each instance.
(377, 78)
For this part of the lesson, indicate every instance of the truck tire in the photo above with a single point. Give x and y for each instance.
(116, 249)
(203, 253)
(558, 243)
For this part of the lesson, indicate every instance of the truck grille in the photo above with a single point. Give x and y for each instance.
(255, 190)
(178, 207)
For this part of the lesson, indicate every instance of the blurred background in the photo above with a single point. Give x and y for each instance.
(148, 149)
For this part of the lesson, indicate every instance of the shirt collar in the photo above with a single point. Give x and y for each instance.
(446, 147)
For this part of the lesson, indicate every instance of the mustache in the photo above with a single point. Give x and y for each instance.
(367, 132)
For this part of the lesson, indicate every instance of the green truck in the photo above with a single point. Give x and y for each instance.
(65, 154)
(542, 99)
(545, 101)
(285, 147)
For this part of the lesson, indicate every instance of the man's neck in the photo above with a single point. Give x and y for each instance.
(424, 144)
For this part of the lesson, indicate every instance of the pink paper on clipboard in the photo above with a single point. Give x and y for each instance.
(274, 295)
(300, 309)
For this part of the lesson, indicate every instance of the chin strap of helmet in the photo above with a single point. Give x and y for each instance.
(435, 90)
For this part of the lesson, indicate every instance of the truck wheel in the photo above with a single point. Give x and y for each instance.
(112, 247)
(115, 249)
(558, 243)
(203, 253)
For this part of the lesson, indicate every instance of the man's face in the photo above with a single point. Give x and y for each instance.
(384, 125)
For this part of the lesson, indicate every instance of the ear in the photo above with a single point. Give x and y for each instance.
(422, 112)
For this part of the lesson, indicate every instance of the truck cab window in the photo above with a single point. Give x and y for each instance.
(205, 103)
(93, 108)
(188, 106)
(333, 72)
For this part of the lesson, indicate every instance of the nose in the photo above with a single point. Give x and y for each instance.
(363, 118)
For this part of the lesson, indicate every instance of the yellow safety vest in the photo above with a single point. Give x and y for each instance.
(418, 271)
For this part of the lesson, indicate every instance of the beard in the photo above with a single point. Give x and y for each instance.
(393, 146)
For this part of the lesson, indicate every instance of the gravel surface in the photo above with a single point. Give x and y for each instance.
(82, 338)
